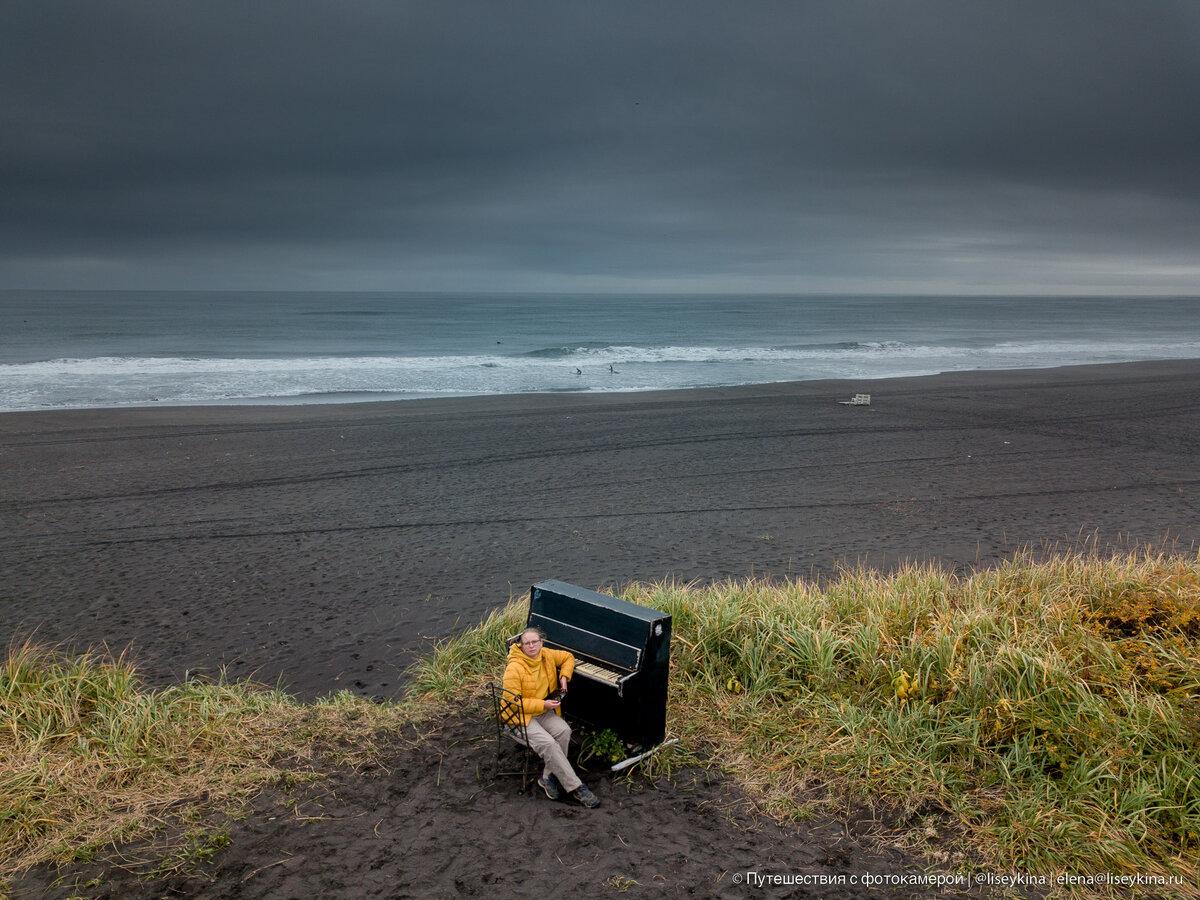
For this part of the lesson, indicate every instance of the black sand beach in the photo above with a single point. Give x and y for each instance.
(323, 547)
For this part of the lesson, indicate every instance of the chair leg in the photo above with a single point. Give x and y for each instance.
(499, 700)
(528, 770)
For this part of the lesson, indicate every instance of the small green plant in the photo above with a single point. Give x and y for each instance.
(206, 846)
(606, 746)
(621, 883)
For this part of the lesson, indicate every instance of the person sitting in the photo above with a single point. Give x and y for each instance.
(531, 672)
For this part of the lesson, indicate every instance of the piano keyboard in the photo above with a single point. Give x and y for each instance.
(595, 672)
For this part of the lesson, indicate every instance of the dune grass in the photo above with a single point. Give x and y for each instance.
(90, 756)
(1050, 710)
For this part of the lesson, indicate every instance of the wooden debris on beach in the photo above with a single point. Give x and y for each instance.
(857, 400)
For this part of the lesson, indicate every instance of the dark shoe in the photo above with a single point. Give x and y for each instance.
(585, 797)
(551, 786)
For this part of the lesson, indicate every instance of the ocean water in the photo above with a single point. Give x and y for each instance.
(61, 350)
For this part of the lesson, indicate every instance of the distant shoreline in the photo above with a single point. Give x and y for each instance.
(318, 348)
(854, 385)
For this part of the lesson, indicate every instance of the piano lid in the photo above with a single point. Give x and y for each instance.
(618, 619)
(616, 604)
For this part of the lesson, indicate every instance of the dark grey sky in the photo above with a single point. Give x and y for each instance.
(567, 145)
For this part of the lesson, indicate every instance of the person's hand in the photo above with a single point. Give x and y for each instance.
(562, 682)
(552, 704)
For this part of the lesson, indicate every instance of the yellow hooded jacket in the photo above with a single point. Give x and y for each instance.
(534, 678)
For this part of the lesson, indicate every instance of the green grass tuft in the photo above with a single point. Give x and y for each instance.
(461, 664)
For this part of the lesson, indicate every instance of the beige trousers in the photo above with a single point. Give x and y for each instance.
(549, 738)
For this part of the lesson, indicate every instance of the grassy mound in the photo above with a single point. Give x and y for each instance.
(89, 756)
(1051, 709)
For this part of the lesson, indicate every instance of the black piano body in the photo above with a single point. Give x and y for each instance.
(622, 653)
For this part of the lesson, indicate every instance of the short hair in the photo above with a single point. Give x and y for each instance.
(528, 628)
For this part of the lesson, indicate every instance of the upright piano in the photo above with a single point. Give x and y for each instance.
(622, 659)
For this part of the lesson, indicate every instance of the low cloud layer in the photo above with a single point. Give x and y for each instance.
(841, 146)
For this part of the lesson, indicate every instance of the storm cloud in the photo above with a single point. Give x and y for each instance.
(839, 146)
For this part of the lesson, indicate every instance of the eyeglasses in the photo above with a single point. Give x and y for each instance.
(531, 643)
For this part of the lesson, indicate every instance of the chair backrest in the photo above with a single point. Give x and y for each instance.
(506, 710)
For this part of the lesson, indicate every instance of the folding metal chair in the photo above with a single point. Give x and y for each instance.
(510, 725)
